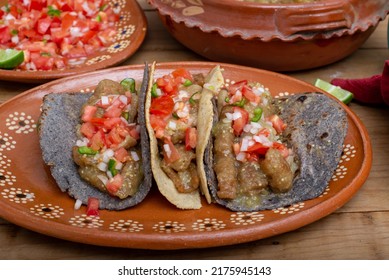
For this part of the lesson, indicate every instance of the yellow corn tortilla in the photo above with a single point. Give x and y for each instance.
(165, 184)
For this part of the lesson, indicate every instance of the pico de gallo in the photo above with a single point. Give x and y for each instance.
(57, 34)
(108, 149)
(173, 117)
(249, 154)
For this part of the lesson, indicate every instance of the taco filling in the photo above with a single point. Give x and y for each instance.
(108, 150)
(249, 157)
(173, 117)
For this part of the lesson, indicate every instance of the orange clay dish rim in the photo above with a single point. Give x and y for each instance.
(207, 22)
(181, 240)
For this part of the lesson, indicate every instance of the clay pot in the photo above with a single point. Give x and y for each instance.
(278, 37)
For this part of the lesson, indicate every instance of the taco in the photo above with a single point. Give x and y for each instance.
(96, 145)
(173, 119)
(266, 153)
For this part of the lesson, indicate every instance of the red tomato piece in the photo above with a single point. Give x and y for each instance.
(157, 123)
(277, 123)
(114, 136)
(37, 4)
(237, 86)
(134, 133)
(42, 62)
(88, 129)
(239, 123)
(162, 106)
(112, 122)
(121, 154)
(258, 148)
(190, 138)
(282, 149)
(89, 113)
(115, 183)
(43, 25)
(250, 95)
(113, 112)
(173, 153)
(182, 72)
(93, 206)
(5, 34)
(97, 141)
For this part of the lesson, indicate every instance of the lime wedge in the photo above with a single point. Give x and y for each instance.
(10, 58)
(343, 95)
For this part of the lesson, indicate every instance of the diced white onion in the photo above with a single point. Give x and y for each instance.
(135, 156)
(76, 32)
(105, 100)
(247, 127)
(123, 99)
(167, 150)
(263, 140)
(77, 204)
(256, 124)
(103, 179)
(229, 116)
(118, 165)
(245, 145)
(15, 39)
(102, 166)
(81, 143)
(241, 157)
(109, 174)
(172, 125)
(236, 115)
(158, 91)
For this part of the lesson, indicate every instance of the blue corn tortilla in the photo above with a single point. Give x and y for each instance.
(57, 131)
(316, 129)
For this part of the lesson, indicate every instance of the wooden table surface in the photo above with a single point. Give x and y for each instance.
(358, 230)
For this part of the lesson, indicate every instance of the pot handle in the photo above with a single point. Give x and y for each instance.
(322, 18)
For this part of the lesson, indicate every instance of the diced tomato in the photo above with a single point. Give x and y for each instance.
(239, 123)
(87, 36)
(114, 136)
(113, 112)
(250, 95)
(37, 4)
(67, 21)
(167, 84)
(190, 138)
(277, 123)
(282, 149)
(115, 184)
(134, 133)
(89, 113)
(97, 141)
(97, 121)
(43, 25)
(76, 52)
(93, 206)
(258, 148)
(88, 129)
(58, 34)
(42, 62)
(157, 122)
(112, 122)
(162, 106)
(173, 153)
(5, 34)
(121, 154)
(237, 86)
(50, 22)
(182, 72)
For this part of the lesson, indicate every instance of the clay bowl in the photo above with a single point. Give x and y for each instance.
(277, 37)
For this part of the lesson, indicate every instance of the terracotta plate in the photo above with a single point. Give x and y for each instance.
(131, 27)
(30, 198)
